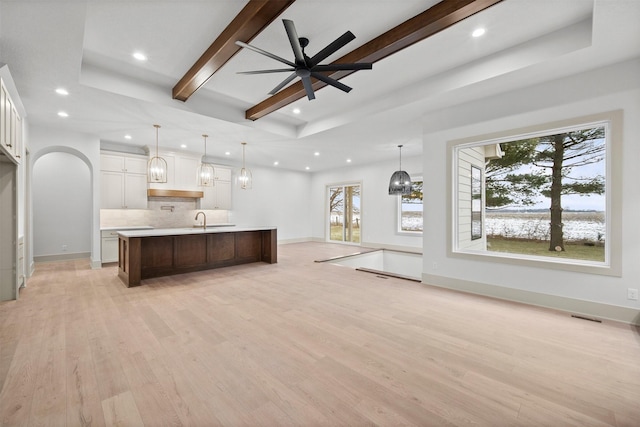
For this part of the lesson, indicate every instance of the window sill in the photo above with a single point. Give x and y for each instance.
(575, 265)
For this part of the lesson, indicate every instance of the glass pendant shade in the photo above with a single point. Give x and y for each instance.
(205, 173)
(245, 179)
(400, 182)
(157, 167)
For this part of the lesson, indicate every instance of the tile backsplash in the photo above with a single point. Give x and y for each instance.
(162, 212)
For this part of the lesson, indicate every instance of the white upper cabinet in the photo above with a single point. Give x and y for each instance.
(186, 172)
(222, 173)
(10, 126)
(182, 169)
(218, 196)
(123, 180)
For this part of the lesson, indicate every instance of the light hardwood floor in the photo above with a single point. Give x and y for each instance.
(301, 343)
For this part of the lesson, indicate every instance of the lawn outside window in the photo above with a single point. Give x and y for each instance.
(548, 195)
(410, 210)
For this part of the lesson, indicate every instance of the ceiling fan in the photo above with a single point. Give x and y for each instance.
(306, 67)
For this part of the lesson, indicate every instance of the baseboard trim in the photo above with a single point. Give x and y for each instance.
(298, 240)
(95, 265)
(61, 257)
(569, 305)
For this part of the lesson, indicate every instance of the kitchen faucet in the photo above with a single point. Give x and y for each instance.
(205, 219)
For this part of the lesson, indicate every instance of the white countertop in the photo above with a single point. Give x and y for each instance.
(189, 230)
(127, 227)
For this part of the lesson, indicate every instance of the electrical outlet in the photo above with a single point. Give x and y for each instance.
(632, 294)
(64, 248)
(435, 265)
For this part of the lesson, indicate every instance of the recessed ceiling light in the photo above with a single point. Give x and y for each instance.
(316, 154)
(63, 114)
(227, 153)
(275, 163)
(140, 56)
(62, 91)
(127, 137)
(348, 160)
(478, 32)
(307, 168)
(296, 111)
(183, 145)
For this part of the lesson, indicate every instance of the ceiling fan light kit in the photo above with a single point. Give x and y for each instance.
(306, 67)
(157, 167)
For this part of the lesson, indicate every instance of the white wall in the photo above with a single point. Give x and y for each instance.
(379, 209)
(44, 140)
(606, 89)
(61, 185)
(278, 198)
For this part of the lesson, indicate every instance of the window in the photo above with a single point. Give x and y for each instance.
(542, 195)
(344, 213)
(410, 209)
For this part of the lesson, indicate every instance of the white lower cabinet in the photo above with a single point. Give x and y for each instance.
(109, 246)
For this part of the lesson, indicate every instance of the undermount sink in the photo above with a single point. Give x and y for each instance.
(215, 225)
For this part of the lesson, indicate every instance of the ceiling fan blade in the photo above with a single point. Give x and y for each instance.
(332, 82)
(306, 82)
(283, 84)
(332, 47)
(341, 67)
(290, 27)
(265, 53)
(279, 70)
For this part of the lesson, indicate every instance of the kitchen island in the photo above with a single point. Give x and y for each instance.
(143, 254)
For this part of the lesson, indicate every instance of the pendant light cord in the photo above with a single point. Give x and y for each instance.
(157, 127)
(243, 146)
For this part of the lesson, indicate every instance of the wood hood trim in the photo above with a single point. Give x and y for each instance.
(174, 193)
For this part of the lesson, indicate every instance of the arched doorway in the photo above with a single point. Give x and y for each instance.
(62, 207)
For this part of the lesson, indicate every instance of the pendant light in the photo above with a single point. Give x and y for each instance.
(400, 182)
(245, 178)
(205, 170)
(157, 168)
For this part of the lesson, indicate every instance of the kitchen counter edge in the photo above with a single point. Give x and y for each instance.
(184, 231)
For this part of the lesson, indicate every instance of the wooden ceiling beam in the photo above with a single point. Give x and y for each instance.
(431, 21)
(252, 19)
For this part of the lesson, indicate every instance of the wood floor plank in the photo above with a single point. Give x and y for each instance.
(121, 410)
(301, 343)
(16, 396)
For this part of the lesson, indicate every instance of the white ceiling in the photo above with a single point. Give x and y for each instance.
(86, 47)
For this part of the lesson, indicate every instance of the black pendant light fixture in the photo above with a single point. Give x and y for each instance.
(400, 182)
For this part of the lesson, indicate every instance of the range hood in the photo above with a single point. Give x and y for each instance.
(175, 193)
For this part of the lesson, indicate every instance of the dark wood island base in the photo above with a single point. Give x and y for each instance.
(146, 255)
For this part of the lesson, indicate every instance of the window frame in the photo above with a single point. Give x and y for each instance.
(612, 121)
(399, 229)
(328, 214)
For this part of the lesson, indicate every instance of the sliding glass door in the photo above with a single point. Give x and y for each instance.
(344, 213)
